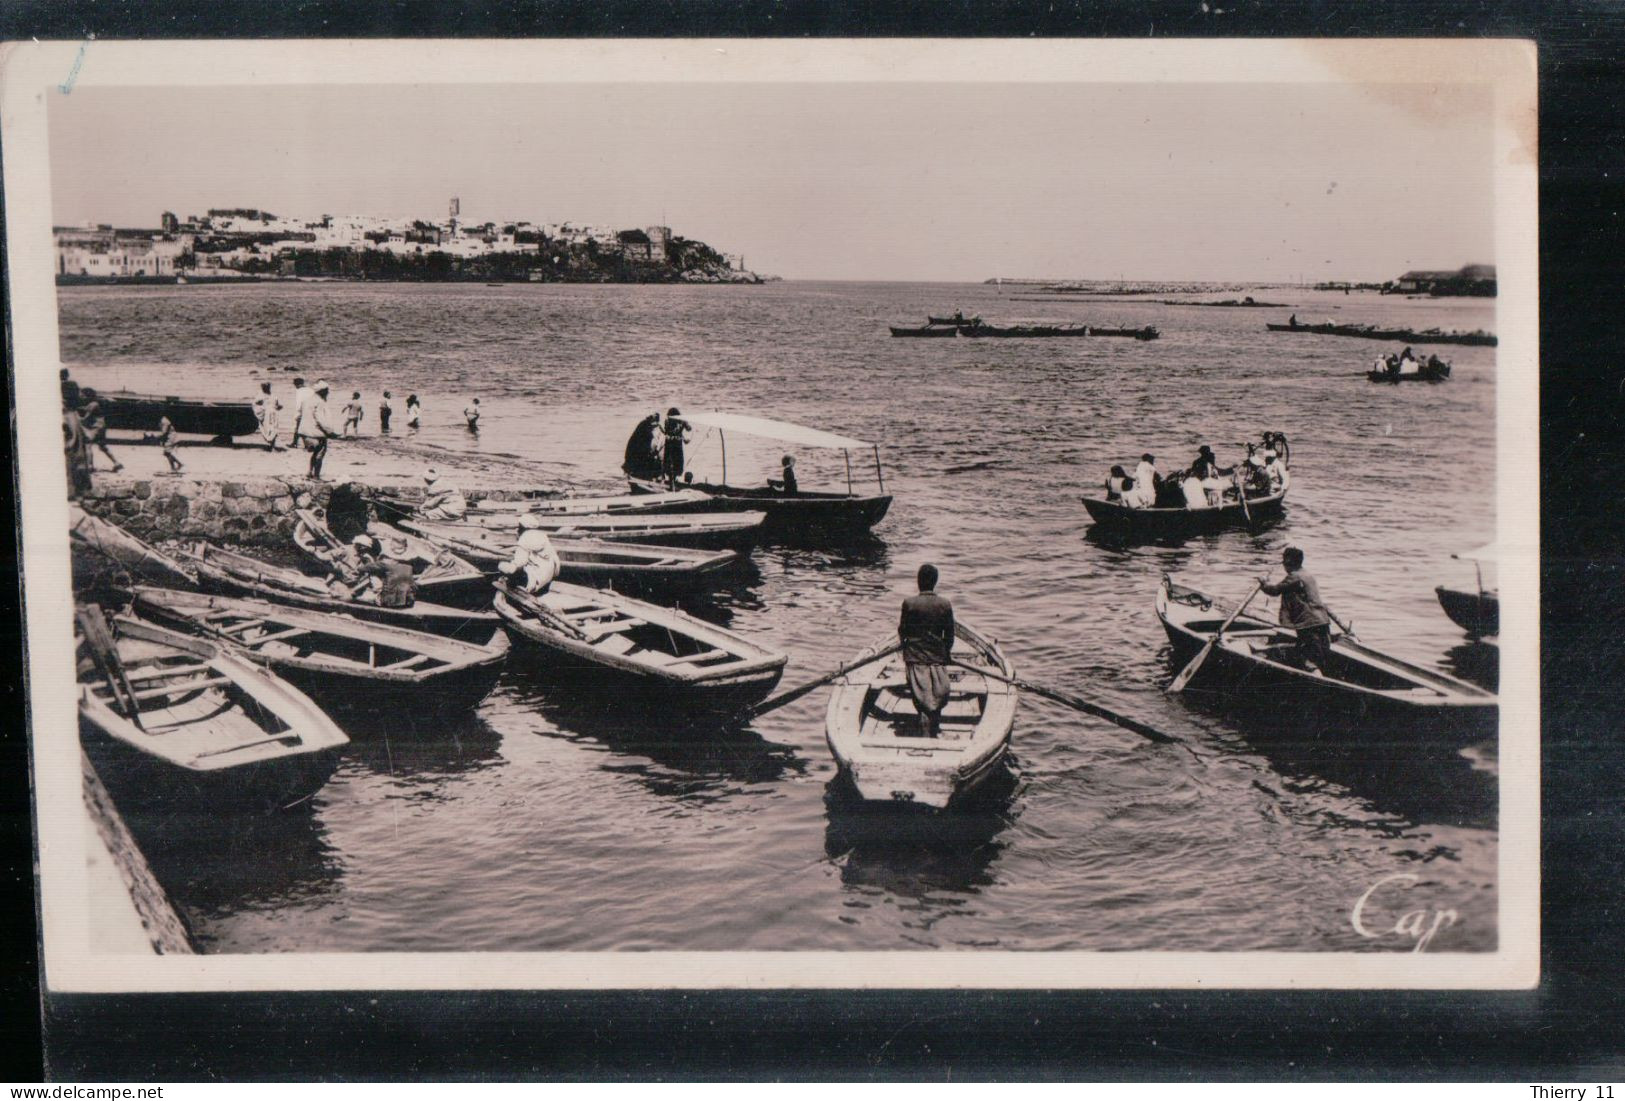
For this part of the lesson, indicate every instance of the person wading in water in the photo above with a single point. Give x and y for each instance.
(927, 633)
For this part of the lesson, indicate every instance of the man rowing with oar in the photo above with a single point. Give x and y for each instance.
(1304, 611)
(927, 633)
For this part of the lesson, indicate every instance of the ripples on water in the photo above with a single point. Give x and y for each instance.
(552, 819)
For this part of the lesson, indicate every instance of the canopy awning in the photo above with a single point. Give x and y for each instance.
(774, 430)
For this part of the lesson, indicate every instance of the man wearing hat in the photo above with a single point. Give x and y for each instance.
(315, 427)
(441, 499)
(534, 556)
(1206, 471)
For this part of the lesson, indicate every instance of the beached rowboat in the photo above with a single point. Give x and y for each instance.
(656, 651)
(1254, 660)
(141, 412)
(232, 574)
(101, 550)
(710, 530)
(343, 662)
(643, 504)
(1172, 522)
(172, 718)
(873, 727)
(440, 575)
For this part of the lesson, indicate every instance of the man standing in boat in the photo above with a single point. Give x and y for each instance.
(927, 633)
(1303, 611)
(675, 432)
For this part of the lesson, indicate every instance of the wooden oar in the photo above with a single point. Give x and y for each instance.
(104, 652)
(1241, 492)
(536, 608)
(1077, 703)
(1189, 671)
(773, 703)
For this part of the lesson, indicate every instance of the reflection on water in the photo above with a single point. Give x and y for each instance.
(1476, 662)
(421, 746)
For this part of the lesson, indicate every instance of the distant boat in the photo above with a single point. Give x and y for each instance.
(820, 512)
(1145, 332)
(1171, 522)
(1434, 370)
(923, 330)
(176, 719)
(956, 319)
(872, 726)
(134, 412)
(346, 663)
(657, 651)
(1372, 332)
(1476, 611)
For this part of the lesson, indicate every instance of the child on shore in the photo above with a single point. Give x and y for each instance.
(413, 410)
(471, 414)
(385, 411)
(353, 412)
(166, 441)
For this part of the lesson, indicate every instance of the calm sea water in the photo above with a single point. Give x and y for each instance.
(551, 820)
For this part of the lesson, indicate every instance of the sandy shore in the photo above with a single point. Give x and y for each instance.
(372, 460)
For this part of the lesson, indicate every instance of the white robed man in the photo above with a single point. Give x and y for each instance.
(534, 563)
(1146, 480)
(268, 412)
(441, 499)
(314, 426)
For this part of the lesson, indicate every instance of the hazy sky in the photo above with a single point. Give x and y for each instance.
(854, 181)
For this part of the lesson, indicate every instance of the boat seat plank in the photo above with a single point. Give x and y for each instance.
(407, 663)
(613, 644)
(181, 687)
(616, 627)
(167, 671)
(242, 626)
(277, 636)
(704, 656)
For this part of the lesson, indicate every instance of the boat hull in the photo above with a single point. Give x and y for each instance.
(1173, 522)
(1408, 336)
(133, 412)
(1424, 375)
(1459, 714)
(803, 513)
(870, 729)
(1479, 614)
(925, 331)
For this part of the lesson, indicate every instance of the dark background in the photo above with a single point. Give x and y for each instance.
(1567, 1030)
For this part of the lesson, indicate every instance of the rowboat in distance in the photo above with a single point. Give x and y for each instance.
(1175, 522)
(1477, 338)
(934, 329)
(229, 573)
(652, 652)
(440, 575)
(1254, 662)
(101, 550)
(645, 504)
(721, 530)
(799, 514)
(342, 662)
(1476, 611)
(175, 719)
(628, 567)
(956, 319)
(1144, 332)
(873, 729)
(134, 412)
(1433, 370)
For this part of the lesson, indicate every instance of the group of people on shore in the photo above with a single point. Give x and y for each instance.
(654, 453)
(1264, 471)
(313, 418)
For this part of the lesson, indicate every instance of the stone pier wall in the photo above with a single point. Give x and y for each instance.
(249, 512)
(257, 512)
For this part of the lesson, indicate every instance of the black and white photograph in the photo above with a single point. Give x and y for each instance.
(770, 514)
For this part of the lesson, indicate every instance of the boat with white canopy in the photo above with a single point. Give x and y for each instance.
(804, 509)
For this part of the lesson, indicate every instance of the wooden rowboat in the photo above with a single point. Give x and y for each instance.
(141, 412)
(873, 727)
(710, 530)
(231, 574)
(1254, 659)
(343, 662)
(1174, 522)
(932, 330)
(657, 651)
(169, 717)
(598, 562)
(102, 549)
(440, 575)
(643, 504)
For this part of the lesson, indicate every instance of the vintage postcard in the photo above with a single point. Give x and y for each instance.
(724, 514)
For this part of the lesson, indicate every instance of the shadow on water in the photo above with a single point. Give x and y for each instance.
(916, 853)
(821, 549)
(1396, 773)
(1476, 662)
(1115, 539)
(603, 710)
(218, 863)
(425, 745)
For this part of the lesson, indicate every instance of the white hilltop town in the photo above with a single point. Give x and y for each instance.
(239, 243)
